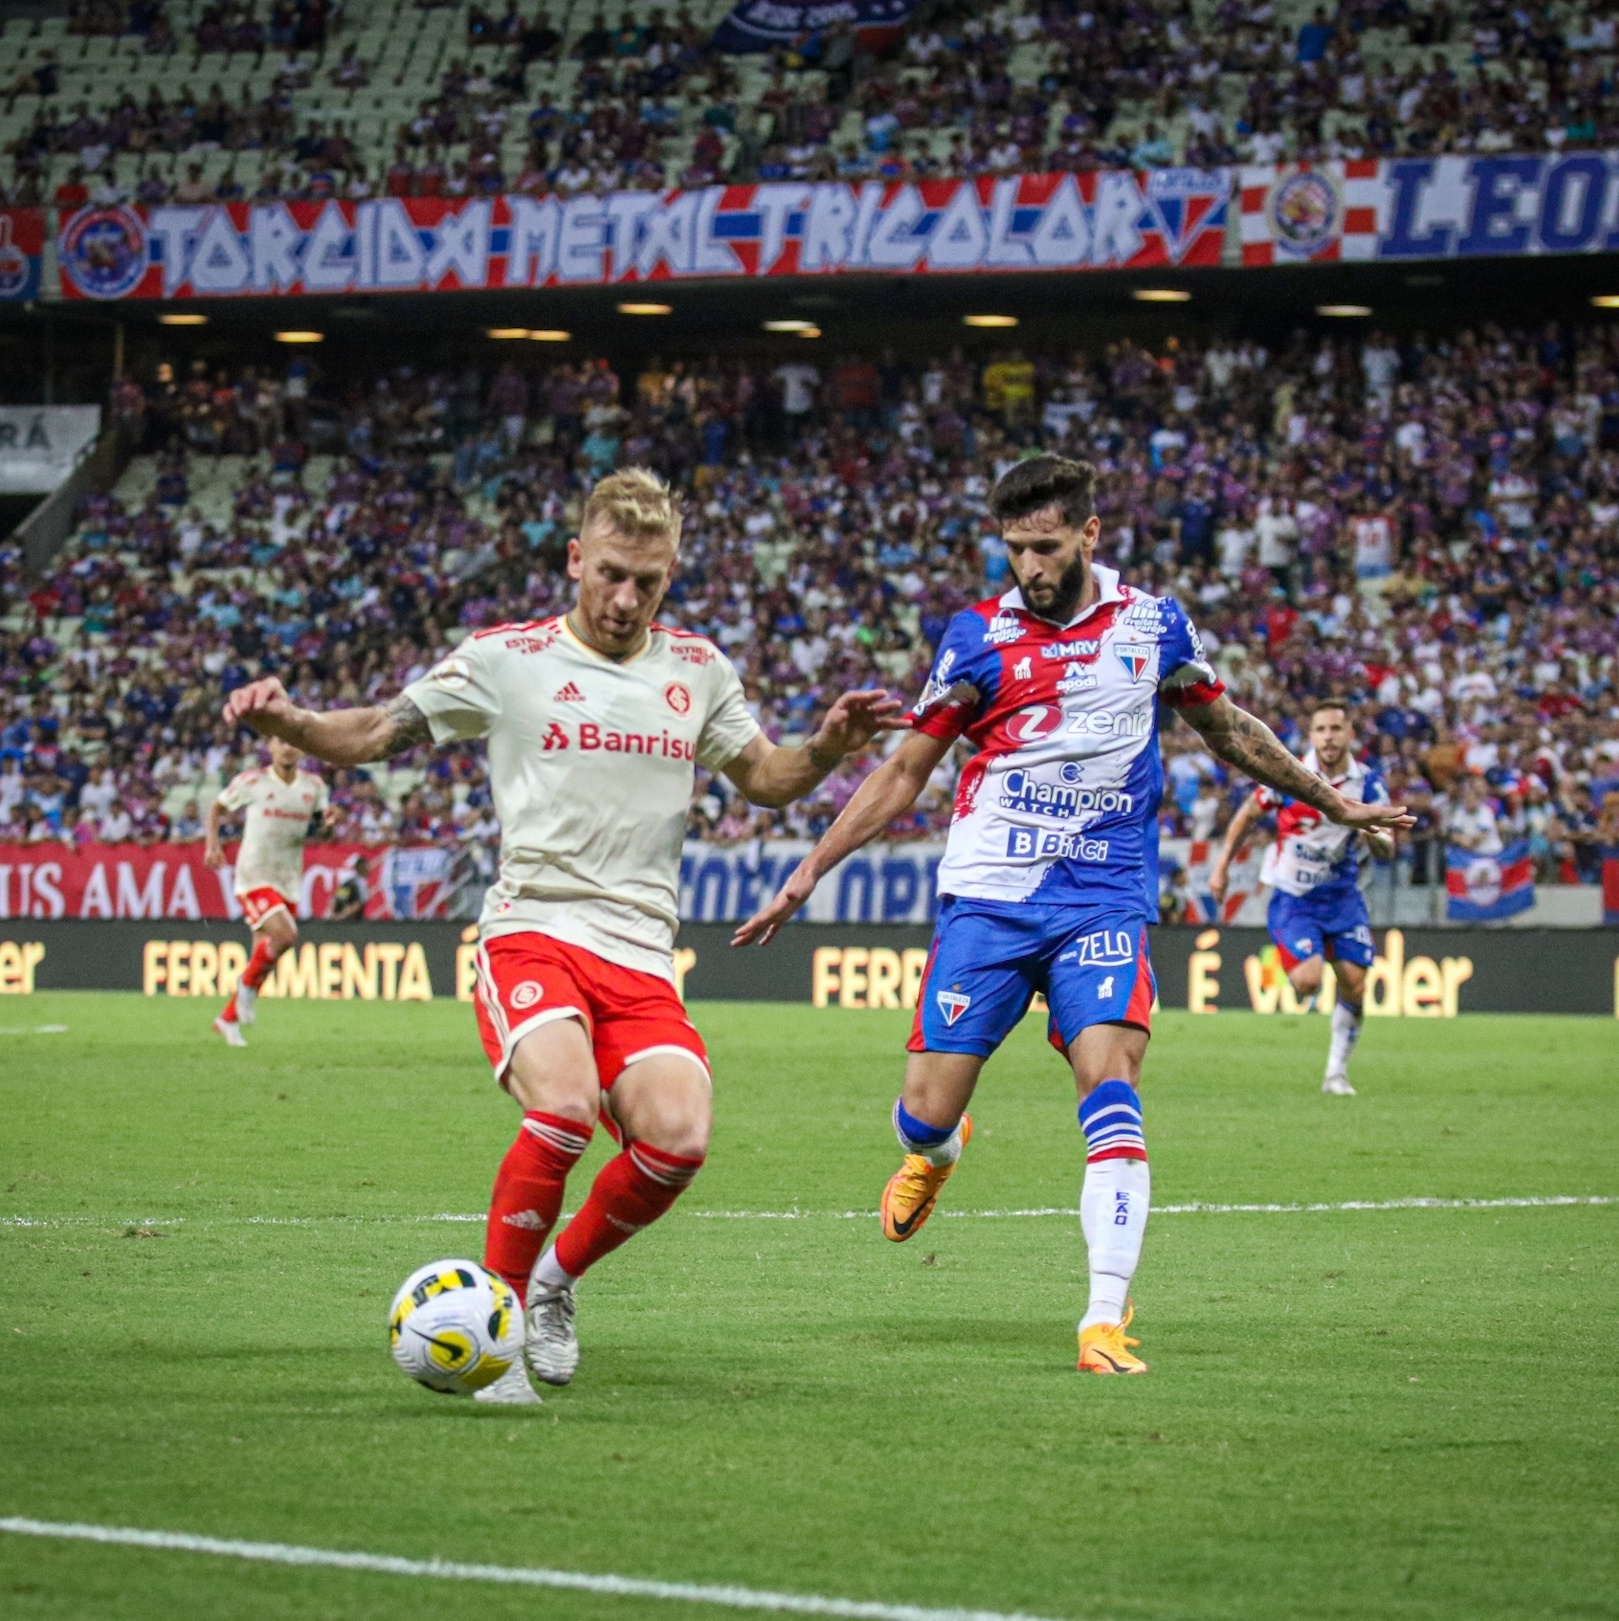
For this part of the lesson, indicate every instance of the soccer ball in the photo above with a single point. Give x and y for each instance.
(455, 1327)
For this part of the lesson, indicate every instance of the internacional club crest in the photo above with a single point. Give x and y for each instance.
(103, 251)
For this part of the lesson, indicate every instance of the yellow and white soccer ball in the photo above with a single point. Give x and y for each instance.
(455, 1327)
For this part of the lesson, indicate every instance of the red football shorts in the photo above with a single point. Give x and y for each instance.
(258, 904)
(526, 980)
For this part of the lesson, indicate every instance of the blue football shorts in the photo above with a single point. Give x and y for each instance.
(989, 958)
(1335, 924)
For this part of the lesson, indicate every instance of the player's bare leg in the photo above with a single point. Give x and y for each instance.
(662, 1112)
(933, 1126)
(274, 935)
(1347, 1011)
(1117, 1191)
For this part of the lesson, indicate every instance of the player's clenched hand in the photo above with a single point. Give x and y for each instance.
(213, 856)
(1219, 877)
(257, 702)
(1370, 818)
(765, 924)
(855, 719)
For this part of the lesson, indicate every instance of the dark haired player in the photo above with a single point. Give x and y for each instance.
(1317, 912)
(1050, 877)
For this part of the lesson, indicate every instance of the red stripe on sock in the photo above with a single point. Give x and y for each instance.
(528, 1193)
(631, 1191)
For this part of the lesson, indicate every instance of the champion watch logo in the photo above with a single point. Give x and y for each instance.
(570, 694)
(1135, 657)
(952, 1004)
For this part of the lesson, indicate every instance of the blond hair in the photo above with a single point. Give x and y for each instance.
(637, 503)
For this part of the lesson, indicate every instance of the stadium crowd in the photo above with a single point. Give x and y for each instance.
(968, 89)
(1428, 529)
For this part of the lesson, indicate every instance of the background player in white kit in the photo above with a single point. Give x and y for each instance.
(277, 803)
(1317, 913)
(596, 722)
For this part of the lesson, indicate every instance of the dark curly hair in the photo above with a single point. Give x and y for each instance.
(1045, 481)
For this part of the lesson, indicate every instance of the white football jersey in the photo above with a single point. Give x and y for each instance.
(592, 764)
(274, 828)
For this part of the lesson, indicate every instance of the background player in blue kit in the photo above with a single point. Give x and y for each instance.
(1317, 912)
(1050, 875)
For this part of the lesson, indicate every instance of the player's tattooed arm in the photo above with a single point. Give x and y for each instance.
(340, 736)
(408, 725)
(1245, 741)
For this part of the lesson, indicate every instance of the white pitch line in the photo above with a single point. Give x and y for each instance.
(33, 1030)
(283, 1553)
(1196, 1208)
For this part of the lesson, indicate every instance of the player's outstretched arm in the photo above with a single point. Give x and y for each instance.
(888, 792)
(1245, 741)
(213, 852)
(773, 776)
(340, 736)
(1248, 813)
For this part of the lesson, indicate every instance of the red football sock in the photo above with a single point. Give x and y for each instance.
(528, 1193)
(630, 1192)
(258, 966)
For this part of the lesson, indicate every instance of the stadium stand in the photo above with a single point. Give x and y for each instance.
(1429, 528)
(177, 100)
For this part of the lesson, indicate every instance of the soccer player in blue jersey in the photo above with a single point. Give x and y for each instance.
(1050, 876)
(1317, 912)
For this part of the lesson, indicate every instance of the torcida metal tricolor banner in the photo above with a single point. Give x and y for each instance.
(1457, 207)
(1112, 220)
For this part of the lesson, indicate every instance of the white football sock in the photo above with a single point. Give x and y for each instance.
(1113, 1206)
(1345, 1033)
(548, 1271)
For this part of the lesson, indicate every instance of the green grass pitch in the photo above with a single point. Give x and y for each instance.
(1351, 1413)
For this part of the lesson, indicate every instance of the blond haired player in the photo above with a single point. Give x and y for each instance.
(276, 805)
(596, 721)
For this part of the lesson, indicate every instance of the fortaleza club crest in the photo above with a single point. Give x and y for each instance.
(1135, 657)
(952, 1004)
(103, 251)
(1304, 212)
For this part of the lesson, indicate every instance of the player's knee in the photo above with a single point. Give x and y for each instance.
(669, 1107)
(1351, 979)
(280, 932)
(1305, 977)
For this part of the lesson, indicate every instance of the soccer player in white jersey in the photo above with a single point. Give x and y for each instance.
(596, 721)
(1317, 913)
(277, 805)
(1050, 875)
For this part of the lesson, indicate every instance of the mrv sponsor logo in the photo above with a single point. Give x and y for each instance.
(1023, 791)
(1071, 650)
(1036, 844)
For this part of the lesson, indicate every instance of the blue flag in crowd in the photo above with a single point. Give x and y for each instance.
(1484, 889)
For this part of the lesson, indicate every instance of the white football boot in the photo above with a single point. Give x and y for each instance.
(231, 1031)
(551, 1348)
(1337, 1086)
(511, 1389)
(247, 1004)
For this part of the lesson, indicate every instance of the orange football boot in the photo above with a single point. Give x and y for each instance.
(1105, 1347)
(913, 1190)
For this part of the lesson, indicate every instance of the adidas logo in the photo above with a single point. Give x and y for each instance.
(569, 694)
(530, 1219)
